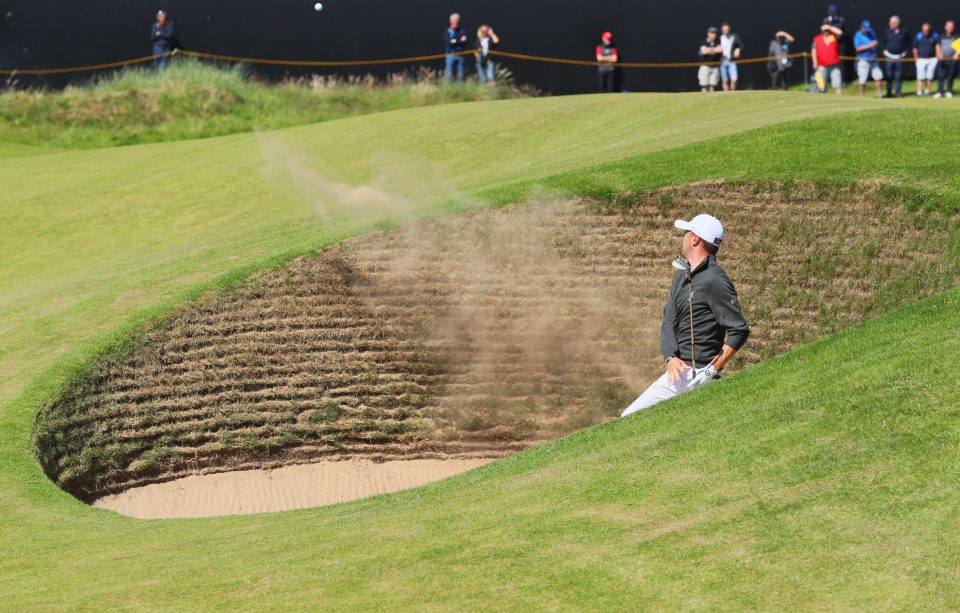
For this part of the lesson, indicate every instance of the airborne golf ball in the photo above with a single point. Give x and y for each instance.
(318, 7)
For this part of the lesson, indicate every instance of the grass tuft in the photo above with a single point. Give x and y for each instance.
(194, 99)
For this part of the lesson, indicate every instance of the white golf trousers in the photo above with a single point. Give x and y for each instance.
(658, 391)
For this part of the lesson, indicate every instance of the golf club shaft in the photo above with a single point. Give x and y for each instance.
(693, 350)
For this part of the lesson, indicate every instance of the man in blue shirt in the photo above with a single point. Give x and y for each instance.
(925, 52)
(866, 43)
(896, 45)
(455, 42)
(161, 32)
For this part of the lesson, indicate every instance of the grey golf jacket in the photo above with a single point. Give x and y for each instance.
(717, 318)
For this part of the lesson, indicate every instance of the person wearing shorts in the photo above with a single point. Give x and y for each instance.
(947, 66)
(732, 48)
(866, 43)
(710, 51)
(826, 57)
(925, 52)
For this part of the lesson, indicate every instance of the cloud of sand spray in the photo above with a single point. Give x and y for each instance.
(502, 297)
(399, 187)
(514, 308)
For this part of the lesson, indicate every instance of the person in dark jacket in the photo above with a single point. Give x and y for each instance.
(607, 58)
(710, 53)
(455, 42)
(161, 33)
(835, 19)
(703, 326)
(896, 46)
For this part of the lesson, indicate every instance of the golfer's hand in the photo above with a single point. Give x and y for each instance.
(702, 376)
(675, 369)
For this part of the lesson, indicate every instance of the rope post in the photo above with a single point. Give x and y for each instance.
(806, 68)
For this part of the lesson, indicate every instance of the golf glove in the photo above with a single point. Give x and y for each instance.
(702, 376)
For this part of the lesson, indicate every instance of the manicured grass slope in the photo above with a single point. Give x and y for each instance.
(633, 512)
(826, 478)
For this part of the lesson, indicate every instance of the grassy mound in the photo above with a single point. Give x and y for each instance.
(472, 337)
(193, 99)
(824, 479)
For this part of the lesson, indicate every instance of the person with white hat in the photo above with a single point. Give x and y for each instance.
(703, 326)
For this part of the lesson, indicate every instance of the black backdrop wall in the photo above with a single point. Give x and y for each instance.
(57, 33)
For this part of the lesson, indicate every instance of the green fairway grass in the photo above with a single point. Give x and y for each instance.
(825, 478)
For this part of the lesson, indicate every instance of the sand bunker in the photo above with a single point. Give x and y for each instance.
(465, 338)
(283, 489)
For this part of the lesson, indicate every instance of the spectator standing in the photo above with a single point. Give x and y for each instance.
(896, 45)
(834, 19)
(866, 43)
(487, 39)
(826, 57)
(607, 58)
(161, 33)
(455, 41)
(732, 48)
(710, 51)
(926, 50)
(779, 63)
(947, 68)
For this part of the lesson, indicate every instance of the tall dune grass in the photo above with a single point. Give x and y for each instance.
(194, 99)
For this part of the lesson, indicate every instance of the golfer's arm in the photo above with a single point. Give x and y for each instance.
(726, 354)
(726, 309)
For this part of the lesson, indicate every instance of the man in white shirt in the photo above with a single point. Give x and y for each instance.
(732, 47)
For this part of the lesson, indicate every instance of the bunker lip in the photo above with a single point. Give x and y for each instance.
(286, 488)
(473, 336)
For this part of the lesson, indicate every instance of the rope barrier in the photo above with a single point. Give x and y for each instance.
(318, 63)
(402, 60)
(880, 59)
(91, 68)
(540, 58)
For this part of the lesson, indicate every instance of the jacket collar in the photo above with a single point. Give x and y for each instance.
(707, 262)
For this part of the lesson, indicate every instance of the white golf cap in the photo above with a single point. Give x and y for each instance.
(705, 226)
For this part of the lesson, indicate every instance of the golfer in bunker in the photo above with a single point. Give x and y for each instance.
(703, 326)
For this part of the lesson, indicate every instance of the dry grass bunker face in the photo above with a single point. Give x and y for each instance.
(469, 337)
